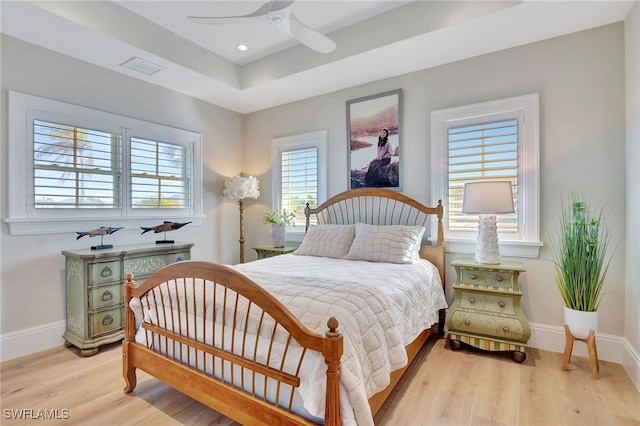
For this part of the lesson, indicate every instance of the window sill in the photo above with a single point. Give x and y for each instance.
(528, 249)
(62, 226)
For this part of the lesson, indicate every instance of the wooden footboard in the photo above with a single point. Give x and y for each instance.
(220, 366)
(226, 367)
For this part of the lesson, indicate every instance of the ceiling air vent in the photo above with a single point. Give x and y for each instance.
(140, 65)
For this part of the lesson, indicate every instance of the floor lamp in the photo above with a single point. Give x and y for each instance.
(487, 199)
(238, 188)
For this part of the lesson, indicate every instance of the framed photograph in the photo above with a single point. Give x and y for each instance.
(374, 131)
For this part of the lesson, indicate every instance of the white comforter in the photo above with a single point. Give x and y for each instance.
(381, 308)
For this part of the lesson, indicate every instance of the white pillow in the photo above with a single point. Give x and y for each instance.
(393, 243)
(416, 251)
(327, 241)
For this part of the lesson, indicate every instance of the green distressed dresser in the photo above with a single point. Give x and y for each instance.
(94, 280)
(486, 312)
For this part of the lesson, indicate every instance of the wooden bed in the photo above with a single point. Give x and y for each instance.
(232, 379)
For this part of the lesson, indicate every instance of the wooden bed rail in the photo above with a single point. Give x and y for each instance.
(174, 335)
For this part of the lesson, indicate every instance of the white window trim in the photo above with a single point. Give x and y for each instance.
(528, 169)
(23, 219)
(316, 139)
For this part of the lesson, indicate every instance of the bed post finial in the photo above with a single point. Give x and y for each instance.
(440, 214)
(307, 214)
(332, 351)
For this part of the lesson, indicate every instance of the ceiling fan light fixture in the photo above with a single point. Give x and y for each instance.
(277, 19)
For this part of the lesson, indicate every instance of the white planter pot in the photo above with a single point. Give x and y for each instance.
(279, 235)
(581, 322)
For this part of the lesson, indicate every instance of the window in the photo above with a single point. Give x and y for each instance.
(489, 141)
(299, 174)
(88, 165)
(75, 167)
(160, 175)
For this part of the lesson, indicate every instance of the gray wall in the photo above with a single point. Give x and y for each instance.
(32, 268)
(580, 79)
(632, 293)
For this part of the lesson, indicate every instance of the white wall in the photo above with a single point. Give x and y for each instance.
(632, 293)
(580, 79)
(32, 292)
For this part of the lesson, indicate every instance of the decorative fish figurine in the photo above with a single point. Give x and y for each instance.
(103, 230)
(166, 226)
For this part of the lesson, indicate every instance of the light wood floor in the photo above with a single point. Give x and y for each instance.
(442, 387)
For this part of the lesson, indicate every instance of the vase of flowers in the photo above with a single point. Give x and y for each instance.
(279, 219)
(579, 251)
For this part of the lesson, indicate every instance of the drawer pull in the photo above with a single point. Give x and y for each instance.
(505, 329)
(499, 279)
(474, 277)
(467, 322)
(107, 320)
(501, 304)
(472, 300)
(106, 272)
(107, 295)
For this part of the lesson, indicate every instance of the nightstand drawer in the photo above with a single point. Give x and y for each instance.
(104, 272)
(106, 321)
(105, 296)
(498, 279)
(489, 325)
(482, 302)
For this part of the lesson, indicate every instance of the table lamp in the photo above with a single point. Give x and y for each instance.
(487, 199)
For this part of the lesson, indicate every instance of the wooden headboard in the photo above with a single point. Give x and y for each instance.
(377, 206)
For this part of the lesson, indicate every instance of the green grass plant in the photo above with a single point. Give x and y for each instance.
(579, 251)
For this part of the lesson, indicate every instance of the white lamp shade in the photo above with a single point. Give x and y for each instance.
(241, 187)
(493, 197)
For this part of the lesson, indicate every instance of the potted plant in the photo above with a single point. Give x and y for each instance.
(579, 251)
(279, 219)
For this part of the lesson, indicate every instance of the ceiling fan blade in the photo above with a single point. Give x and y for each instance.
(270, 6)
(310, 37)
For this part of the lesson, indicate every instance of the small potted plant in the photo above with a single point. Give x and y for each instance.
(579, 251)
(279, 219)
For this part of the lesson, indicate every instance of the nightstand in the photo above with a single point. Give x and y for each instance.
(270, 251)
(486, 312)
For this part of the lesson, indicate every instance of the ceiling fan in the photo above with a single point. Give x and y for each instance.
(278, 14)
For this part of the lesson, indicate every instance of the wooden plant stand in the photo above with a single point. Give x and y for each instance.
(591, 347)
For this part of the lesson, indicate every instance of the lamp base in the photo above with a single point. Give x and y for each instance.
(487, 250)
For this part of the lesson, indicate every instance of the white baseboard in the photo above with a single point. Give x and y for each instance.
(546, 337)
(610, 348)
(31, 340)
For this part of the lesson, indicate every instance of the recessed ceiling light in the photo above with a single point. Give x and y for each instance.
(243, 47)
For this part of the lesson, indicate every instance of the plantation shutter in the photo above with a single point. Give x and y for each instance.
(299, 168)
(160, 174)
(75, 167)
(477, 153)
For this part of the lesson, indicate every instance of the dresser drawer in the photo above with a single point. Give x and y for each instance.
(486, 278)
(105, 322)
(144, 265)
(489, 325)
(178, 257)
(105, 296)
(482, 302)
(104, 272)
